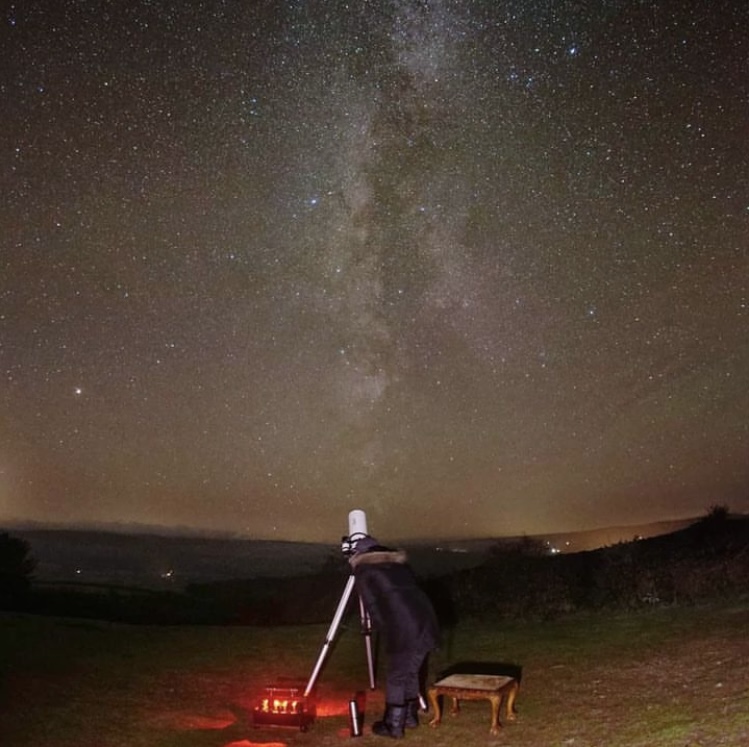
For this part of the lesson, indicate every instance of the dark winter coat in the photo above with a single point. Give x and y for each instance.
(399, 609)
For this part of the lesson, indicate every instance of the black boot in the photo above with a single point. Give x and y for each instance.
(393, 722)
(412, 713)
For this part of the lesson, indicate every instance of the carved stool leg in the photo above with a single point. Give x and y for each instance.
(495, 700)
(434, 702)
(510, 706)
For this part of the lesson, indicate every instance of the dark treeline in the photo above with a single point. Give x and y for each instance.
(708, 560)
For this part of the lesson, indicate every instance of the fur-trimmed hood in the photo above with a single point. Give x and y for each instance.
(379, 556)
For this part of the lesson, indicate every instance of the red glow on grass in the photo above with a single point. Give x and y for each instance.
(191, 721)
(328, 708)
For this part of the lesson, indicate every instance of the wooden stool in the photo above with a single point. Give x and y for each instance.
(493, 688)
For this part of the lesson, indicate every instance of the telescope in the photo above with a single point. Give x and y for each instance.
(357, 529)
(292, 706)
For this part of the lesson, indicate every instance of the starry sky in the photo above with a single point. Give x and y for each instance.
(477, 268)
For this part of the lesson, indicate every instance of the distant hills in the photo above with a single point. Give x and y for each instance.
(156, 561)
(151, 559)
(596, 538)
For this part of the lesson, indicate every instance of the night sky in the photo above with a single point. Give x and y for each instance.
(477, 268)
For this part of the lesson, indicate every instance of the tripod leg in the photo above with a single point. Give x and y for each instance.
(332, 630)
(366, 625)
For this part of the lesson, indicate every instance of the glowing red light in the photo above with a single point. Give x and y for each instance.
(278, 705)
(284, 706)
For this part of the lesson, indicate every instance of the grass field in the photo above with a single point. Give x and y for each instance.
(675, 677)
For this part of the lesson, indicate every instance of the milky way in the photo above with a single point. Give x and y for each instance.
(477, 268)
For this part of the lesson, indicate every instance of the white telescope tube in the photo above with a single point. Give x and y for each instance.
(357, 523)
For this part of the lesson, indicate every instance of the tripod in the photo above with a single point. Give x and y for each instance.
(366, 625)
(357, 525)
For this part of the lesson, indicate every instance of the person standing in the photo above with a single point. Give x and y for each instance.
(402, 613)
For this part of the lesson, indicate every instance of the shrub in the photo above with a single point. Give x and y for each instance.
(16, 569)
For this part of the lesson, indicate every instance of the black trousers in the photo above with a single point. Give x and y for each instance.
(406, 675)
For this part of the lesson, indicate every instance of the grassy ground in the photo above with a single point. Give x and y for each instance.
(660, 678)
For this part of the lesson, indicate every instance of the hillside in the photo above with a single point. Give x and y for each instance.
(153, 560)
(269, 583)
